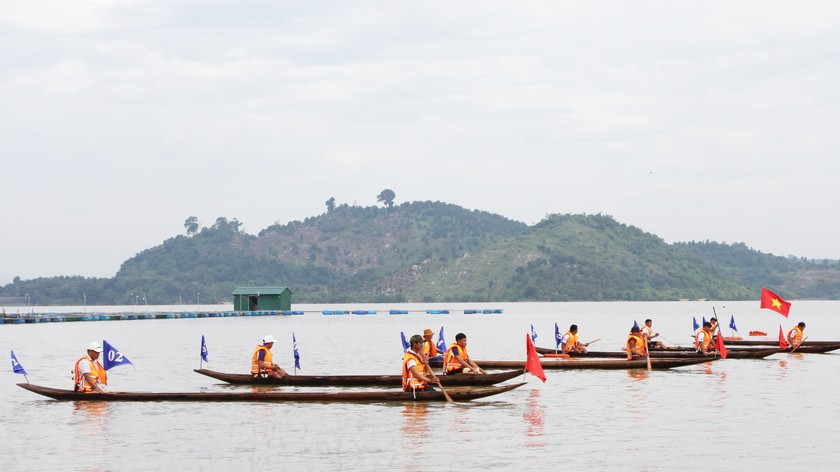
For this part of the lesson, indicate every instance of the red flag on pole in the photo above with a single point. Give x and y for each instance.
(782, 340)
(533, 365)
(720, 346)
(774, 302)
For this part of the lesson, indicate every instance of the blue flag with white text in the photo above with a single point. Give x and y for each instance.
(295, 351)
(405, 343)
(694, 320)
(732, 323)
(441, 344)
(16, 367)
(203, 349)
(533, 333)
(557, 336)
(113, 357)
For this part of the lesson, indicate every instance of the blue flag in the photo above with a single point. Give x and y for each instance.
(557, 336)
(635, 324)
(694, 320)
(441, 344)
(704, 321)
(533, 334)
(203, 349)
(732, 323)
(405, 343)
(113, 357)
(16, 367)
(295, 352)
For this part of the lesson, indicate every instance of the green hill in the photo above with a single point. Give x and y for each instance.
(437, 252)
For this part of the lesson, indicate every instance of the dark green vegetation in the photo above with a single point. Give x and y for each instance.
(436, 252)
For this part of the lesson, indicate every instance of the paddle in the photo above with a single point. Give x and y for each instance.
(592, 342)
(647, 355)
(448, 398)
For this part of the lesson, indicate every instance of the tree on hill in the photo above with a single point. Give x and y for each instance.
(330, 204)
(386, 197)
(191, 225)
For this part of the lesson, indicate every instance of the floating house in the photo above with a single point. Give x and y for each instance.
(262, 298)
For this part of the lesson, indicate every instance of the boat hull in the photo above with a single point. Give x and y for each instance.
(456, 393)
(573, 364)
(394, 381)
(681, 353)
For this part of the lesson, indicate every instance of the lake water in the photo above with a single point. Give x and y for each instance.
(780, 413)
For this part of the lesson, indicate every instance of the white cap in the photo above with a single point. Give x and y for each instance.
(94, 346)
(268, 339)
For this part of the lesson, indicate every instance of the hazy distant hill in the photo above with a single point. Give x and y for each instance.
(433, 251)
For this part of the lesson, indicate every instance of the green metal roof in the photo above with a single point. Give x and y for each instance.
(260, 290)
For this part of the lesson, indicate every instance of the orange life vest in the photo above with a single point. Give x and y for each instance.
(795, 336)
(409, 381)
(255, 361)
(429, 349)
(702, 340)
(80, 383)
(572, 342)
(647, 331)
(639, 348)
(450, 362)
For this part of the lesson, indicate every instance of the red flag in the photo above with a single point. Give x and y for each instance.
(782, 340)
(720, 346)
(774, 302)
(533, 365)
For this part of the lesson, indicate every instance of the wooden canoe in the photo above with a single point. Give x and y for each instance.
(826, 346)
(673, 353)
(361, 396)
(571, 364)
(395, 381)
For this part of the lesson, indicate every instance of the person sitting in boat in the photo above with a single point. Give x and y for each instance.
(429, 349)
(635, 344)
(416, 373)
(794, 336)
(88, 375)
(703, 340)
(262, 364)
(570, 343)
(647, 332)
(457, 361)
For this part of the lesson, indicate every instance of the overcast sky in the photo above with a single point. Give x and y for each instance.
(700, 120)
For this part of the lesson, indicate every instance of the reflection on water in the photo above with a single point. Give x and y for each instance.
(415, 427)
(638, 374)
(534, 416)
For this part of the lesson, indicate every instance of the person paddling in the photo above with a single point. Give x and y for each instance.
(647, 332)
(703, 340)
(635, 344)
(457, 361)
(88, 375)
(570, 341)
(794, 336)
(416, 373)
(262, 364)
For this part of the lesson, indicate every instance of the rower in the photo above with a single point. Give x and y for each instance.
(416, 373)
(570, 341)
(429, 349)
(635, 344)
(457, 361)
(647, 332)
(794, 336)
(88, 375)
(703, 341)
(262, 364)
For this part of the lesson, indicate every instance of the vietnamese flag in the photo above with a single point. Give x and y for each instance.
(533, 365)
(774, 302)
(782, 341)
(721, 348)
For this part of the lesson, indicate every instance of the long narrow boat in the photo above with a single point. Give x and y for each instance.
(775, 342)
(395, 381)
(457, 394)
(572, 364)
(670, 353)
